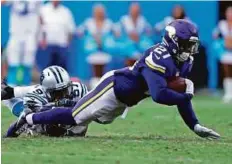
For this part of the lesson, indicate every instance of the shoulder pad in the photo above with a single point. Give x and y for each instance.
(159, 60)
(78, 90)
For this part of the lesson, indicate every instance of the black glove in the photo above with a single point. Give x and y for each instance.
(65, 103)
(7, 92)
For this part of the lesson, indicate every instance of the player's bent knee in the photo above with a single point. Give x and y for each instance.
(82, 122)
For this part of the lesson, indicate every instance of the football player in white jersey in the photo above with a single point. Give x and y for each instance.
(24, 28)
(55, 89)
(55, 86)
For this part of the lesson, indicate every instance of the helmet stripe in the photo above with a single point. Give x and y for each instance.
(61, 79)
(82, 90)
(54, 73)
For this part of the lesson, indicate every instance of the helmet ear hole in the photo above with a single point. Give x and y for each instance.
(41, 78)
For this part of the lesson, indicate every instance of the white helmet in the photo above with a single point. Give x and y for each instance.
(55, 80)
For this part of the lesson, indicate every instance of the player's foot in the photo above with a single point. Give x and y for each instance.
(18, 127)
(7, 92)
(22, 118)
(11, 132)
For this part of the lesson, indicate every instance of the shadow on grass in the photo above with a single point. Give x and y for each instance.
(152, 137)
(126, 138)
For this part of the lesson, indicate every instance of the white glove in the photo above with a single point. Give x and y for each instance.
(189, 87)
(205, 132)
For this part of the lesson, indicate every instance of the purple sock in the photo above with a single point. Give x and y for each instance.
(58, 115)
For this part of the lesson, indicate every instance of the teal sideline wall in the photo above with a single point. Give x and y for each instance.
(204, 14)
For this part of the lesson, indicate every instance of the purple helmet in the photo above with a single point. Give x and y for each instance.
(181, 39)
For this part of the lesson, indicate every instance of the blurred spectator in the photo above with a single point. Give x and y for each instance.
(58, 29)
(136, 31)
(3, 63)
(22, 45)
(98, 41)
(222, 50)
(177, 13)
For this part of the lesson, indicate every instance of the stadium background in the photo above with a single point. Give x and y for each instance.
(206, 11)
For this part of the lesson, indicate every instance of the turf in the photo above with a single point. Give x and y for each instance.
(150, 134)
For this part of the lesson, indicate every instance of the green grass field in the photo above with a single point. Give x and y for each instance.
(150, 134)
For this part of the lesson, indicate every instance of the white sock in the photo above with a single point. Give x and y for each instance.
(227, 84)
(29, 118)
(230, 86)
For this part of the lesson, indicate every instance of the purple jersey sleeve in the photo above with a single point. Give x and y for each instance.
(159, 61)
(159, 92)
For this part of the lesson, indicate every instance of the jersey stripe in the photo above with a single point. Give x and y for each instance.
(154, 67)
(36, 97)
(54, 73)
(166, 56)
(86, 89)
(93, 99)
(82, 90)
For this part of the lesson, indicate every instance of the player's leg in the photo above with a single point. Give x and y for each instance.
(227, 82)
(43, 58)
(62, 55)
(13, 59)
(100, 105)
(30, 47)
(100, 101)
(58, 115)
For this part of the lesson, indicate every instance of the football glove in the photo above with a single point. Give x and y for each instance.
(205, 132)
(65, 103)
(189, 87)
(7, 92)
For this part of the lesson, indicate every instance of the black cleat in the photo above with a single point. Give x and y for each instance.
(18, 127)
(12, 131)
(7, 92)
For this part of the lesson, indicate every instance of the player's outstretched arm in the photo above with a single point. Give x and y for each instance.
(7, 92)
(186, 111)
(159, 92)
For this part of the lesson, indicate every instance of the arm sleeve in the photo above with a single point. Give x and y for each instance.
(159, 92)
(186, 111)
(20, 92)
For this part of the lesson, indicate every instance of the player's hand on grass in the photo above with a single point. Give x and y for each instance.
(205, 132)
(189, 87)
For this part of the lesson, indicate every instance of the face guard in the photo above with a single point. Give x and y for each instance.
(59, 93)
(187, 48)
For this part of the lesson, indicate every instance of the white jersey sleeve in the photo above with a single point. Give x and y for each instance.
(20, 92)
(78, 90)
(34, 101)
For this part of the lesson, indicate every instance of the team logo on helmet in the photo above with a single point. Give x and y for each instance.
(171, 31)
